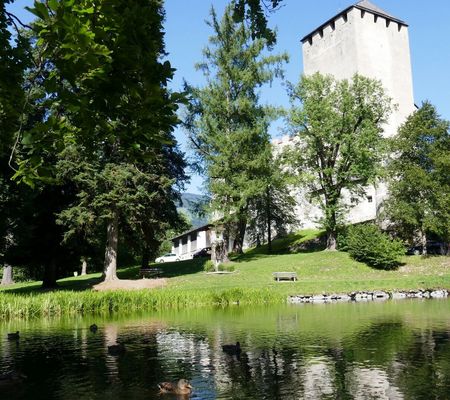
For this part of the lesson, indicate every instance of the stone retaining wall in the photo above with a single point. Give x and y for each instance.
(369, 296)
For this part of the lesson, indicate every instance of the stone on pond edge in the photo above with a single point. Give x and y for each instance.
(369, 296)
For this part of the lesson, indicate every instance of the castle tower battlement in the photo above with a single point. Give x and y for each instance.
(367, 40)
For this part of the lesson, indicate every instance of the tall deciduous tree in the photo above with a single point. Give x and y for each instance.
(14, 60)
(338, 127)
(109, 110)
(228, 125)
(419, 171)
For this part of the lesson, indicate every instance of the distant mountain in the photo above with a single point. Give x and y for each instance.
(190, 204)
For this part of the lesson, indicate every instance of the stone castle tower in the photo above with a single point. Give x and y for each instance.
(366, 40)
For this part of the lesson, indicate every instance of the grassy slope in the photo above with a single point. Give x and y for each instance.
(318, 271)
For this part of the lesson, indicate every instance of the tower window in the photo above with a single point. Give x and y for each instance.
(370, 199)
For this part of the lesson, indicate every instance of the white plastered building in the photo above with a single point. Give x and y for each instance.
(367, 40)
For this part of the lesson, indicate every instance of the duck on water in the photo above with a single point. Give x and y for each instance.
(181, 387)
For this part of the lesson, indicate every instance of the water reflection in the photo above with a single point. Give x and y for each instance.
(364, 351)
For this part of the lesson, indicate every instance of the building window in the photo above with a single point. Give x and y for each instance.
(370, 199)
(353, 200)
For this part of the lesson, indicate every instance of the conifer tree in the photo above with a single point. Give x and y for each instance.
(227, 123)
(109, 113)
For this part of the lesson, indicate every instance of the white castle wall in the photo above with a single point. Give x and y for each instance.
(370, 45)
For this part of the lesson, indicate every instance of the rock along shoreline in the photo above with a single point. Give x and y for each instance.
(369, 296)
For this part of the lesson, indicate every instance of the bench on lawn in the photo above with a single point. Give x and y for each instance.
(281, 276)
(149, 272)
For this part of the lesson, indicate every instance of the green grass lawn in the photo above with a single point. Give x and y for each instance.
(252, 282)
(318, 271)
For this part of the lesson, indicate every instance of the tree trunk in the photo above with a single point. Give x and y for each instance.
(7, 278)
(112, 238)
(49, 280)
(145, 257)
(331, 240)
(219, 253)
(331, 222)
(240, 234)
(84, 266)
(269, 224)
(423, 242)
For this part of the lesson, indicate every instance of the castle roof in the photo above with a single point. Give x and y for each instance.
(363, 5)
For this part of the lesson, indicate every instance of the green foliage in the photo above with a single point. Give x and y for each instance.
(339, 145)
(419, 184)
(189, 287)
(14, 60)
(209, 266)
(226, 122)
(109, 120)
(367, 243)
(254, 11)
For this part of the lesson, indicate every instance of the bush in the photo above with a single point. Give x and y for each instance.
(226, 267)
(342, 238)
(208, 266)
(367, 243)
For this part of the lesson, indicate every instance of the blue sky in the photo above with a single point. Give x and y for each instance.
(429, 33)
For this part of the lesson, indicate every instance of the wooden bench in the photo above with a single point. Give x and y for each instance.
(282, 276)
(149, 272)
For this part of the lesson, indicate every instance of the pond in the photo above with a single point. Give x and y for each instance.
(385, 350)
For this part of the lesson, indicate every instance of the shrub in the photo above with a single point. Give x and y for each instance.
(226, 267)
(208, 266)
(367, 243)
(342, 238)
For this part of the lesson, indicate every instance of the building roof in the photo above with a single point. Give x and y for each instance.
(196, 229)
(364, 5)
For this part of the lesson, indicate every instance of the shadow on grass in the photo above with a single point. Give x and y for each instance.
(308, 241)
(81, 283)
(71, 284)
(186, 267)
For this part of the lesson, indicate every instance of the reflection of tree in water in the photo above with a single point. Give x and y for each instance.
(378, 343)
(365, 360)
(426, 366)
(384, 360)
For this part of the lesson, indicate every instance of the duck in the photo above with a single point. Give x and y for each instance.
(232, 349)
(13, 336)
(116, 349)
(11, 377)
(93, 328)
(181, 387)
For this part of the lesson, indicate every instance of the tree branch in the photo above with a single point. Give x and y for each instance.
(12, 17)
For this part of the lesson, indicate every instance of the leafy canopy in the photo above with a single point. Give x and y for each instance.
(419, 172)
(337, 126)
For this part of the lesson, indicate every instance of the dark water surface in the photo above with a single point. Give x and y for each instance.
(388, 350)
